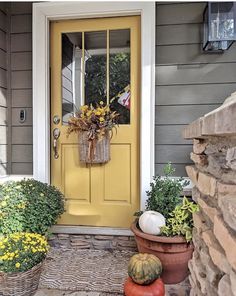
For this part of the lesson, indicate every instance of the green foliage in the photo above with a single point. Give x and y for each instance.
(95, 79)
(29, 206)
(181, 220)
(21, 251)
(165, 192)
(138, 213)
(119, 78)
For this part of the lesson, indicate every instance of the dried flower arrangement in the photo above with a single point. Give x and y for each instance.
(98, 123)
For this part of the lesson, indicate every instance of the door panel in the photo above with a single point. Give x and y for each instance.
(94, 60)
(73, 167)
(116, 180)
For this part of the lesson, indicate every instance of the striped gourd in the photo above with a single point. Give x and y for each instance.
(144, 268)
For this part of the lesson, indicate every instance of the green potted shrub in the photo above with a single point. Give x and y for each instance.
(167, 226)
(29, 206)
(21, 260)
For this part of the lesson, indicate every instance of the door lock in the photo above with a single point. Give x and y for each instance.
(56, 119)
(56, 135)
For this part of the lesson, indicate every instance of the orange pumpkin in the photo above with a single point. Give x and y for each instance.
(157, 288)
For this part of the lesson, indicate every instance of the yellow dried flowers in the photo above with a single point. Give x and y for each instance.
(97, 121)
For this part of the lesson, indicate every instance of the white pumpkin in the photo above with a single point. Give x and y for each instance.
(151, 222)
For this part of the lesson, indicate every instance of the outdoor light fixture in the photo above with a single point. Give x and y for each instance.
(219, 28)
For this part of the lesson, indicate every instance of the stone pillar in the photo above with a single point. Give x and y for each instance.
(213, 266)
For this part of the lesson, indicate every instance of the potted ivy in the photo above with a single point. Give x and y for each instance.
(165, 228)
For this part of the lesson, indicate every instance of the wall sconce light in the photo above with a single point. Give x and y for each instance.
(219, 26)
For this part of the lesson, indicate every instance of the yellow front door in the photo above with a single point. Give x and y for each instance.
(95, 60)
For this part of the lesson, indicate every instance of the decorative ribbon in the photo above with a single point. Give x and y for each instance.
(91, 149)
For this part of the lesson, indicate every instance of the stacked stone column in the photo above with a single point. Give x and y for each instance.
(213, 266)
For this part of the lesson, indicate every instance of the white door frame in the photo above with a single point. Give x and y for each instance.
(43, 13)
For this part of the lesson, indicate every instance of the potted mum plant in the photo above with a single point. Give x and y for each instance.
(94, 126)
(29, 206)
(21, 260)
(165, 228)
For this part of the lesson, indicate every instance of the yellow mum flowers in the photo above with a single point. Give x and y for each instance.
(21, 251)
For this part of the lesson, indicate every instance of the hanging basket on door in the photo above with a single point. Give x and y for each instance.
(94, 151)
(94, 126)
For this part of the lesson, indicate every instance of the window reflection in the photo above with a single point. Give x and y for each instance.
(72, 74)
(119, 74)
(95, 48)
(90, 76)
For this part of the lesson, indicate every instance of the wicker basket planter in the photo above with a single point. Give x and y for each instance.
(96, 151)
(22, 283)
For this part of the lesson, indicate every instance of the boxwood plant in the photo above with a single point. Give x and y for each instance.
(29, 206)
(165, 192)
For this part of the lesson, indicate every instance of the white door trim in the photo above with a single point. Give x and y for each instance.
(42, 14)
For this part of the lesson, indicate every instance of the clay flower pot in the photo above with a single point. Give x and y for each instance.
(174, 253)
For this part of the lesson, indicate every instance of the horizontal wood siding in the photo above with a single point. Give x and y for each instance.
(22, 168)
(21, 23)
(3, 44)
(21, 97)
(3, 93)
(189, 54)
(21, 61)
(21, 42)
(189, 82)
(3, 59)
(22, 153)
(22, 135)
(179, 13)
(21, 87)
(178, 34)
(180, 114)
(203, 94)
(196, 74)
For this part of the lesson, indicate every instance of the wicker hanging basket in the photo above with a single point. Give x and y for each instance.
(21, 283)
(95, 151)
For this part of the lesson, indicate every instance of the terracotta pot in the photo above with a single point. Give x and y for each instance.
(174, 253)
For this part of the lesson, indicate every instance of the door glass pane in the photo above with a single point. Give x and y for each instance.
(119, 73)
(85, 71)
(72, 74)
(95, 51)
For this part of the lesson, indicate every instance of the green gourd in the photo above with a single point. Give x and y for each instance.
(144, 268)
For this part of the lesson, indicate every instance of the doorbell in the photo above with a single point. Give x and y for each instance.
(22, 115)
